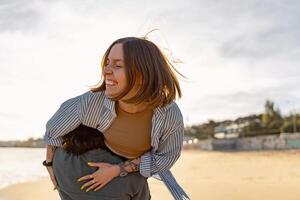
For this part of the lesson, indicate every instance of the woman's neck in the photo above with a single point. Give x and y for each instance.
(131, 108)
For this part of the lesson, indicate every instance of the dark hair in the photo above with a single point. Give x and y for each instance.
(142, 57)
(83, 139)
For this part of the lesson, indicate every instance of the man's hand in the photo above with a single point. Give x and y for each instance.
(105, 173)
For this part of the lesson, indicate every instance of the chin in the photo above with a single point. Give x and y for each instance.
(110, 94)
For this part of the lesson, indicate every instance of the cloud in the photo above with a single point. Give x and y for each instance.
(236, 53)
(19, 15)
(242, 103)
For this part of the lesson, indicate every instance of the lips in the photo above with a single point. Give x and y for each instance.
(110, 82)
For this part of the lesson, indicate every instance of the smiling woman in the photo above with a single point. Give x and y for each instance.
(140, 71)
(114, 72)
(134, 107)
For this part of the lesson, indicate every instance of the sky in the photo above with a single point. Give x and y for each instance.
(235, 54)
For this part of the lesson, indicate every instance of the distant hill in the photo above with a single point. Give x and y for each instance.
(32, 143)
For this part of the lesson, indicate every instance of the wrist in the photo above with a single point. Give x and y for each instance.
(117, 170)
(47, 163)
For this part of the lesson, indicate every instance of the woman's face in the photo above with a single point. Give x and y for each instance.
(115, 75)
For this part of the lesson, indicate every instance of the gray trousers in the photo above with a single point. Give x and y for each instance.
(69, 167)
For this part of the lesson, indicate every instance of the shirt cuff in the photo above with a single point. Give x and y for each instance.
(145, 164)
(53, 141)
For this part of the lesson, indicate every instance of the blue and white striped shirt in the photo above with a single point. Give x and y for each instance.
(95, 110)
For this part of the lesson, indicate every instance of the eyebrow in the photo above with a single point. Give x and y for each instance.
(115, 59)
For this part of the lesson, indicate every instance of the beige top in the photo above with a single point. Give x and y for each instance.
(129, 134)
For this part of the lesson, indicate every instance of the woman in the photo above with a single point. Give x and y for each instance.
(133, 105)
(83, 145)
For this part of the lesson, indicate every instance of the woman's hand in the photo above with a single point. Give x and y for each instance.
(52, 177)
(101, 177)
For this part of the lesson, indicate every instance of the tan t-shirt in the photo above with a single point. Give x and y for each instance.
(130, 134)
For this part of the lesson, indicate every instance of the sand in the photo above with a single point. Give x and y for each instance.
(204, 175)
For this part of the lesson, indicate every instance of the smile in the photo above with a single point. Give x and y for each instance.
(110, 82)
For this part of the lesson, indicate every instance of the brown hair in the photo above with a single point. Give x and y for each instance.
(142, 57)
(83, 139)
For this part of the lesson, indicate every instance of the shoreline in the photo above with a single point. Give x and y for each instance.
(37, 178)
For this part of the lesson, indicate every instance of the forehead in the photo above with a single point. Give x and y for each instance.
(116, 52)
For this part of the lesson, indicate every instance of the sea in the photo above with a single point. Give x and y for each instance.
(21, 164)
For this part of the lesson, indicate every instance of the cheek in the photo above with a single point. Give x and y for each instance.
(121, 79)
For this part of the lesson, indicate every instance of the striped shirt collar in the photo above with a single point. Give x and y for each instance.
(111, 106)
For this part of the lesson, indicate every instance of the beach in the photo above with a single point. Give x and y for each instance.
(273, 175)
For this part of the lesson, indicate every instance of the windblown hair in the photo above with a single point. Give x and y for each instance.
(83, 139)
(142, 57)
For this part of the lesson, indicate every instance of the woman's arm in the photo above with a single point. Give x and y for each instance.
(106, 172)
(168, 151)
(65, 119)
(169, 146)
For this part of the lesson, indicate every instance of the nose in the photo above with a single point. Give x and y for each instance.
(107, 69)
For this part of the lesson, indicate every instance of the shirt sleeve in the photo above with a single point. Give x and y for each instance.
(66, 118)
(169, 148)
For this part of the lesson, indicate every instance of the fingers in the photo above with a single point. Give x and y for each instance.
(87, 177)
(87, 184)
(98, 171)
(52, 177)
(93, 186)
(55, 187)
(99, 187)
(92, 164)
(54, 183)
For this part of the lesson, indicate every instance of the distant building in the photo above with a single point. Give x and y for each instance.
(232, 130)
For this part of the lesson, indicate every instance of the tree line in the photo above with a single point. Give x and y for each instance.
(270, 122)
